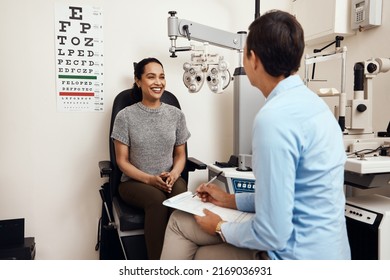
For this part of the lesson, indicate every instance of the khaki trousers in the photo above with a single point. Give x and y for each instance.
(185, 240)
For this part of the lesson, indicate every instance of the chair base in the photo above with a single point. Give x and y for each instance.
(134, 247)
(132, 241)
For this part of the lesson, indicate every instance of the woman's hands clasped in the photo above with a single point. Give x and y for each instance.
(164, 181)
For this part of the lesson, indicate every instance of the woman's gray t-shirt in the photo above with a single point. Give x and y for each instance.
(151, 135)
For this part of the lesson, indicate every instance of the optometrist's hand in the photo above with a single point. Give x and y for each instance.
(214, 194)
(209, 222)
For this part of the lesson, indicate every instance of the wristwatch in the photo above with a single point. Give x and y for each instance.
(219, 231)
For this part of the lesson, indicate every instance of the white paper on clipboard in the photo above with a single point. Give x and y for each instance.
(194, 205)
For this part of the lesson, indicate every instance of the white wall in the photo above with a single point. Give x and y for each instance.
(48, 162)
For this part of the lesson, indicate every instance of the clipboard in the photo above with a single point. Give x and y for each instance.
(188, 203)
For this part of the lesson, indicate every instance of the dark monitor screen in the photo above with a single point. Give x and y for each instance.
(11, 232)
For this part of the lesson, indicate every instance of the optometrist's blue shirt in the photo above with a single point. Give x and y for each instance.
(298, 162)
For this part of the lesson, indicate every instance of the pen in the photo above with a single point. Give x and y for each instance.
(211, 180)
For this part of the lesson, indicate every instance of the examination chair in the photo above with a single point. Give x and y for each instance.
(128, 221)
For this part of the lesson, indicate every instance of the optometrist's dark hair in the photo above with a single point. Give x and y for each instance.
(139, 69)
(277, 38)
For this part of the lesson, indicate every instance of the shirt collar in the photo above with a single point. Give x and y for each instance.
(285, 84)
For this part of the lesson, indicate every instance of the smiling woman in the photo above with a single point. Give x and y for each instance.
(149, 139)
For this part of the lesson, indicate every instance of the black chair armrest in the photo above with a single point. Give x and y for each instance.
(105, 168)
(194, 164)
